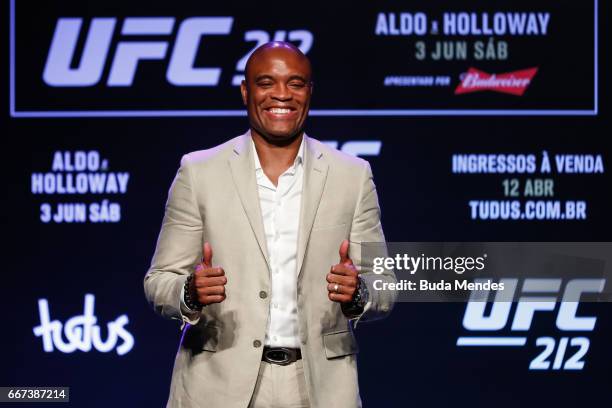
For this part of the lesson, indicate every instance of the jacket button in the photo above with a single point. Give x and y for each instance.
(263, 294)
(256, 343)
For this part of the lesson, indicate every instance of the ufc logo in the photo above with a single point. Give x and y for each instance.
(528, 305)
(181, 71)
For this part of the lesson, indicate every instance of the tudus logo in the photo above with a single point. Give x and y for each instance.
(532, 302)
(82, 331)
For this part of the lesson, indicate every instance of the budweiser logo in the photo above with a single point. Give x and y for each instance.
(514, 83)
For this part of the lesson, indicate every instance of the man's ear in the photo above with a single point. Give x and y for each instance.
(243, 91)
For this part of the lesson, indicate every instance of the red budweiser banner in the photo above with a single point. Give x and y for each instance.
(514, 83)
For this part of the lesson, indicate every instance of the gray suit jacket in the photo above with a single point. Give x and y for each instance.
(214, 198)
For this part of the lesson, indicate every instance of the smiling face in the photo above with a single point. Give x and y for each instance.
(277, 91)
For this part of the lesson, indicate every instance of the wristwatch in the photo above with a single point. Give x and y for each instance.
(361, 294)
(355, 307)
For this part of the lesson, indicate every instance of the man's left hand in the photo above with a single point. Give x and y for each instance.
(342, 278)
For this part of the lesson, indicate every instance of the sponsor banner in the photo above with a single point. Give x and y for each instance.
(82, 332)
(513, 83)
(111, 59)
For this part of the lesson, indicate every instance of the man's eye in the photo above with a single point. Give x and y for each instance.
(264, 84)
(297, 84)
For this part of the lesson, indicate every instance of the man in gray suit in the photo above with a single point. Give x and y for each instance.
(269, 324)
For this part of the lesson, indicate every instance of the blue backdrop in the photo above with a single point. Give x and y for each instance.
(94, 130)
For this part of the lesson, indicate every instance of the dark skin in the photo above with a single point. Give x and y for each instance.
(276, 91)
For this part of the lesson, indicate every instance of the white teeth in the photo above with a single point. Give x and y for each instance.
(280, 111)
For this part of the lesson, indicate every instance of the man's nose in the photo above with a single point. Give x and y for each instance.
(281, 92)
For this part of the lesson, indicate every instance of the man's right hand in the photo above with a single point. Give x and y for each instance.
(208, 283)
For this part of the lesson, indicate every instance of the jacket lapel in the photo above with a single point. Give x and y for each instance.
(243, 173)
(315, 174)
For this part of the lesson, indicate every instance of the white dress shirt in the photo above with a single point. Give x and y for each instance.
(280, 211)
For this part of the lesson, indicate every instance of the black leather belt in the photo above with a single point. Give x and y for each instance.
(281, 355)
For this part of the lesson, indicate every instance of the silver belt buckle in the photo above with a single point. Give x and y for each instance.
(280, 355)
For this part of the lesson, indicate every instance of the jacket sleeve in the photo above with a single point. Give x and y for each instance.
(366, 231)
(178, 250)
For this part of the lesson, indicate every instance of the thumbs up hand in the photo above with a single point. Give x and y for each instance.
(208, 283)
(342, 278)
